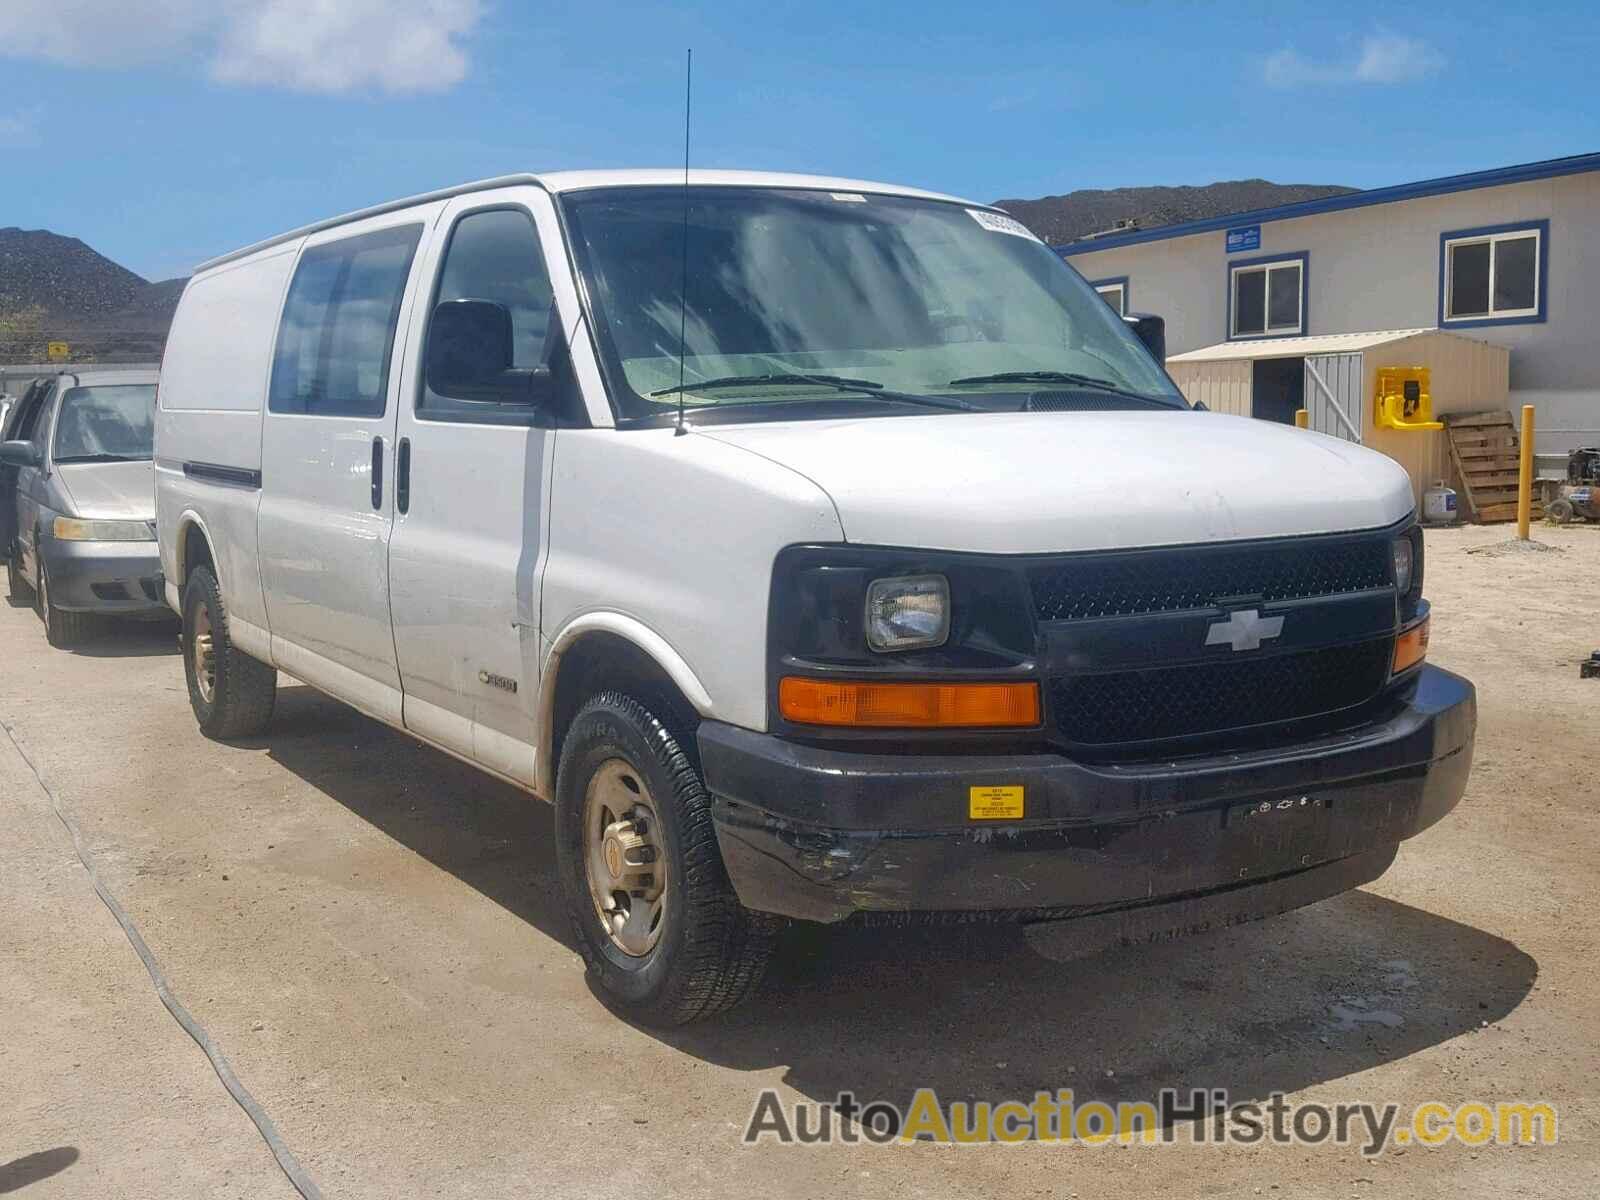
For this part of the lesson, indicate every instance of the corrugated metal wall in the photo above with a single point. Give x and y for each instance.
(1222, 386)
(1329, 411)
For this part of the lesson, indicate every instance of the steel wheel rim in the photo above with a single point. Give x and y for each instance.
(203, 652)
(623, 859)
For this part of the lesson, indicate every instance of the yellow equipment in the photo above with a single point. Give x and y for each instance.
(1404, 400)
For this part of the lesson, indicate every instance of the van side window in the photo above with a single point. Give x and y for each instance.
(494, 255)
(338, 329)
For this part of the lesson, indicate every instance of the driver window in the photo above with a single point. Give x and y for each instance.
(494, 255)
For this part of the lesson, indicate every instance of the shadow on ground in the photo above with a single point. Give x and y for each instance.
(122, 637)
(975, 1012)
(31, 1168)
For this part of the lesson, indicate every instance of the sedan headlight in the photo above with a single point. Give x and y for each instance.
(71, 529)
(1403, 559)
(911, 612)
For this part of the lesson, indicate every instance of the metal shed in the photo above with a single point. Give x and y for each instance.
(1334, 378)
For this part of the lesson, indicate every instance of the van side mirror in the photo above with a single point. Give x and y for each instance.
(470, 356)
(20, 454)
(1152, 331)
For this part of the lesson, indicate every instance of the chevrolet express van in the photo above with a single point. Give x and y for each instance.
(821, 550)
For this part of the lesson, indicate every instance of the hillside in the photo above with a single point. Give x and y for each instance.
(55, 288)
(1059, 219)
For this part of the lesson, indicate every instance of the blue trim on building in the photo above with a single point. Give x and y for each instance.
(1536, 318)
(1303, 257)
(1116, 281)
(1523, 173)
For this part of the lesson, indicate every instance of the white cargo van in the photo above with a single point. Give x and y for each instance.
(821, 550)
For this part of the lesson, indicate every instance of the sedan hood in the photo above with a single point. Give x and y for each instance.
(1024, 483)
(113, 491)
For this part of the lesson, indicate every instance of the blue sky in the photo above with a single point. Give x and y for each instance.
(162, 133)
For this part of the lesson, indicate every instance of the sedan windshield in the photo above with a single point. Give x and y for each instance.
(106, 424)
(790, 288)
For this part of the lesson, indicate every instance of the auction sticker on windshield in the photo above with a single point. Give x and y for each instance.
(1000, 223)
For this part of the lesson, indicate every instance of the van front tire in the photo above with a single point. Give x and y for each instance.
(625, 769)
(231, 693)
(62, 629)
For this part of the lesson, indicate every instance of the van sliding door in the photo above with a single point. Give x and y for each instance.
(327, 443)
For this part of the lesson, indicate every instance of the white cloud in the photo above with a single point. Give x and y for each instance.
(1381, 58)
(301, 45)
(338, 45)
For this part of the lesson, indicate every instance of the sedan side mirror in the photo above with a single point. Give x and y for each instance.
(471, 356)
(20, 454)
(1152, 331)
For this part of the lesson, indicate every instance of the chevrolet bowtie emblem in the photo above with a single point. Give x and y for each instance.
(1244, 630)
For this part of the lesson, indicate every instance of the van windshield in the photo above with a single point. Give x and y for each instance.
(106, 424)
(798, 296)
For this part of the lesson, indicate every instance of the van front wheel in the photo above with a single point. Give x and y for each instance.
(231, 693)
(657, 922)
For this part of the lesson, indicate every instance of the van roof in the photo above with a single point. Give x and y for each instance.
(574, 181)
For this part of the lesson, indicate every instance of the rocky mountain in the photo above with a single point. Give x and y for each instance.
(1067, 218)
(55, 288)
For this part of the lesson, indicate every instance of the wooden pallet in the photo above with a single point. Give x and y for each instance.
(1483, 447)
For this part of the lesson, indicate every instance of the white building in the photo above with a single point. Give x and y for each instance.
(1511, 256)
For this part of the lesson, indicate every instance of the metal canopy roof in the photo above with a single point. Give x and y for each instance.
(1299, 347)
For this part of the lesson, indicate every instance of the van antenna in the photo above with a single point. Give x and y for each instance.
(683, 278)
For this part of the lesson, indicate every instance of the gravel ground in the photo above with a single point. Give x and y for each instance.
(370, 932)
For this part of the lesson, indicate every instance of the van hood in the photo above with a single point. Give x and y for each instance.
(1026, 483)
(113, 491)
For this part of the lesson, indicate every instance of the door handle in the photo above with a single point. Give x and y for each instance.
(402, 476)
(377, 472)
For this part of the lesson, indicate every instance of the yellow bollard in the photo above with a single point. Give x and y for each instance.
(1525, 474)
(1302, 419)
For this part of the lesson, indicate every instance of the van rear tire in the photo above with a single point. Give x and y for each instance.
(708, 952)
(231, 693)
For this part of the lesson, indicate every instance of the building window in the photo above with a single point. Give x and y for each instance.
(1487, 276)
(1114, 292)
(1267, 297)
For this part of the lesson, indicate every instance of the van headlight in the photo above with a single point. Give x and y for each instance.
(1404, 559)
(911, 612)
(70, 529)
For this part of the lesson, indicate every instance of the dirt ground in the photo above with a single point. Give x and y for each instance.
(370, 932)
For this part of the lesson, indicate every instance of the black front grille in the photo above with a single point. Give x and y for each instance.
(1190, 577)
(1233, 693)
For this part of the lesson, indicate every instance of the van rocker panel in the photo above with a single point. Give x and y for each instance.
(820, 834)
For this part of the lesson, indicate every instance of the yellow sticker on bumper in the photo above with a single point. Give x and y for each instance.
(994, 803)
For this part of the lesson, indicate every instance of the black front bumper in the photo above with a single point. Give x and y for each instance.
(821, 834)
(104, 577)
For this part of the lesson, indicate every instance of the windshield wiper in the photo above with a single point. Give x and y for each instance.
(841, 383)
(1088, 381)
(102, 458)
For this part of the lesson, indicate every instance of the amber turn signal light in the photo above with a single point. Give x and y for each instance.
(1411, 647)
(908, 705)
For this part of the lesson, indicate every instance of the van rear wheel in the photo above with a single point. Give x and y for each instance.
(658, 924)
(231, 693)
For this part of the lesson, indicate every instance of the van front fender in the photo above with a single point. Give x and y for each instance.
(629, 629)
